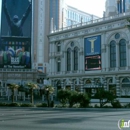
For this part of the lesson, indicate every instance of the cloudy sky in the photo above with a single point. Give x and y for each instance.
(95, 7)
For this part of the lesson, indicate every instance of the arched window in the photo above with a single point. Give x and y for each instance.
(58, 65)
(113, 54)
(122, 52)
(125, 80)
(76, 58)
(68, 59)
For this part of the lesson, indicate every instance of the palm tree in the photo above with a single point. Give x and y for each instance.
(31, 87)
(48, 90)
(13, 87)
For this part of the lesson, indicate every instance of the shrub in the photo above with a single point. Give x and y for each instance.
(27, 105)
(90, 106)
(106, 106)
(3, 104)
(127, 105)
(116, 104)
(104, 96)
(13, 104)
(61, 106)
(42, 105)
(73, 98)
(52, 104)
(63, 96)
(77, 105)
(84, 100)
(96, 106)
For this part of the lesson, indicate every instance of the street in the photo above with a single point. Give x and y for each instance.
(13, 118)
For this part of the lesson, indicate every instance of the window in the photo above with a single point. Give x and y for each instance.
(58, 65)
(125, 80)
(112, 54)
(58, 47)
(68, 59)
(122, 52)
(75, 58)
(125, 83)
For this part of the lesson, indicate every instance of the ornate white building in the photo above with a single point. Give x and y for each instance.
(92, 55)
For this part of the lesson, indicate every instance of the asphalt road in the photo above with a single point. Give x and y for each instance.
(51, 119)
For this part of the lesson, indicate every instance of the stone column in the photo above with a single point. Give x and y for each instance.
(105, 83)
(117, 57)
(81, 60)
(117, 86)
(62, 84)
(72, 60)
(108, 57)
(81, 85)
(103, 59)
(127, 55)
(81, 55)
(64, 62)
(103, 52)
(72, 84)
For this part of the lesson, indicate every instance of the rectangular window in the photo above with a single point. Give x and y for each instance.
(112, 56)
(122, 55)
(58, 48)
(58, 66)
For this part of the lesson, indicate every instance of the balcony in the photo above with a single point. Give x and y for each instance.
(18, 70)
(56, 54)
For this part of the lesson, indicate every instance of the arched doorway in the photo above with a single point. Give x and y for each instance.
(125, 87)
(112, 86)
(58, 85)
(87, 87)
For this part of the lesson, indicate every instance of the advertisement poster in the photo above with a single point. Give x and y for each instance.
(92, 45)
(15, 44)
(93, 62)
(15, 53)
(92, 53)
(16, 18)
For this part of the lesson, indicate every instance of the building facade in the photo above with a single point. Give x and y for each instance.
(91, 56)
(75, 16)
(63, 15)
(114, 7)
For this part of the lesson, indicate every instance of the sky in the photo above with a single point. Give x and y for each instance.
(95, 7)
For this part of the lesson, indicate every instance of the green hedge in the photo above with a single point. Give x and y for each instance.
(41, 105)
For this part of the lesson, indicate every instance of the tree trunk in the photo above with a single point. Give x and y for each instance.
(101, 103)
(12, 95)
(48, 102)
(31, 98)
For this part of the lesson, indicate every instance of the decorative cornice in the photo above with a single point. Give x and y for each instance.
(77, 32)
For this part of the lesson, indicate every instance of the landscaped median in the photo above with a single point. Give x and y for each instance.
(23, 104)
(15, 104)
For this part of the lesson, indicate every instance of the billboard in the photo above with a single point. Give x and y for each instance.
(92, 52)
(15, 53)
(92, 45)
(93, 62)
(16, 18)
(15, 44)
